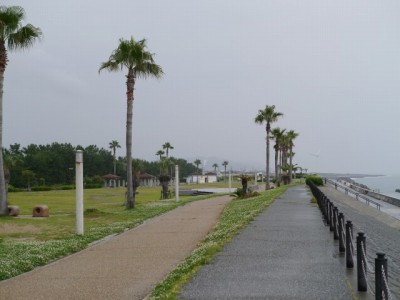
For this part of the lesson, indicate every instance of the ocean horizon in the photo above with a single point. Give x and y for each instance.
(383, 184)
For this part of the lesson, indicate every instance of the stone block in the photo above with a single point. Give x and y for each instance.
(41, 211)
(13, 211)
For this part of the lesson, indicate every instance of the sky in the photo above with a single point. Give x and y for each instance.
(331, 67)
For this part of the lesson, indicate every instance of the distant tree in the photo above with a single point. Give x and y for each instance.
(164, 177)
(29, 176)
(13, 36)
(197, 162)
(291, 136)
(160, 153)
(268, 115)
(277, 134)
(132, 55)
(225, 164)
(167, 146)
(215, 166)
(114, 145)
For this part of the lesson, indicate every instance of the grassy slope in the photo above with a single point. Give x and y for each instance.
(27, 242)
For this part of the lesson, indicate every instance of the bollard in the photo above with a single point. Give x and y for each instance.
(349, 245)
(341, 235)
(331, 216)
(335, 223)
(361, 260)
(326, 212)
(381, 292)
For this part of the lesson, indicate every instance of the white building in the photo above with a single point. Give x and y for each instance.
(202, 178)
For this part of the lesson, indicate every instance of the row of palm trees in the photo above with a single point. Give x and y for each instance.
(284, 143)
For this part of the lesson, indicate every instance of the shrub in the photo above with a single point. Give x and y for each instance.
(317, 180)
(41, 188)
(93, 186)
(67, 187)
(12, 189)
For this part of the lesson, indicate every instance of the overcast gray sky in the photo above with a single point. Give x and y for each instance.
(332, 68)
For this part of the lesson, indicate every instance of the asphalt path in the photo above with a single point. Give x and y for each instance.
(285, 253)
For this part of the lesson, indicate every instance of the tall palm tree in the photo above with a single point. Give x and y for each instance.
(225, 164)
(167, 146)
(197, 162)
(291, 136)
(13, 36)
(134, 56)
(277, 134)
(269, 116)
(114, 145)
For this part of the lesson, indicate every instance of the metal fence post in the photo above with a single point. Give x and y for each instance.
(381, 292)
(341, 235)
(335, 223)
(331, 217)
(349, 245)
(361, 264)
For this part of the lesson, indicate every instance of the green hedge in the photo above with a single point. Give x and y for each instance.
(41, 188)
(317, 180)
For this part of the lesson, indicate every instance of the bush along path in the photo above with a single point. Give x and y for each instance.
(236, 216)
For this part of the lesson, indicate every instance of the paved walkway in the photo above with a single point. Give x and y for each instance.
(285, 253)
(127, 266)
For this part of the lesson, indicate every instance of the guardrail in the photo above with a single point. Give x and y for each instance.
(344, 233)
(351, 191)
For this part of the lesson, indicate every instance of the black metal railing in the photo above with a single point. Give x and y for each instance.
(343, 232)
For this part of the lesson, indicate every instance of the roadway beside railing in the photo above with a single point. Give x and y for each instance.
(347, 191)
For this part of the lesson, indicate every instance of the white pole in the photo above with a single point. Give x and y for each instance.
(79, 191)
(176, 183)
(230, 181)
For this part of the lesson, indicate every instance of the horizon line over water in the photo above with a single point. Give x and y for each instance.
(385, 184)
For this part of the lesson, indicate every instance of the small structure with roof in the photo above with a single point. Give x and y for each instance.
(149, 180)
(209, 177)
(111, 180)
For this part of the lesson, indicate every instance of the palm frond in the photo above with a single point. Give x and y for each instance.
(24, 37)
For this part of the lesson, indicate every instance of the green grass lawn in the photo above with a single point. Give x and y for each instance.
(27, 242)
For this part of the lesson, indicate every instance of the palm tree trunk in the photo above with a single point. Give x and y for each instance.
(115, 162)
(290, 164)
(3, 192)
(130, 83)
(267, 159)
(276, 165)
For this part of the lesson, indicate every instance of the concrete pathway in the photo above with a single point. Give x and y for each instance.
(285, 253)
(127, 266)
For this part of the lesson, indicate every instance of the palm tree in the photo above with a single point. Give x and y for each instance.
(114, 145)
(13, 36)
(197, 162)
(160, 153)
(215, 166)
(132, 55)
(225, 164)
(269, 116)
(291, 136)
(167, 146)
(277, 134)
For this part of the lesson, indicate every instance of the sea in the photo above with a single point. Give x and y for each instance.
(386, 184)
